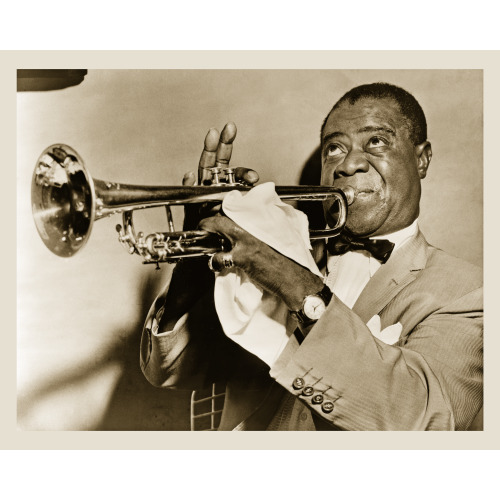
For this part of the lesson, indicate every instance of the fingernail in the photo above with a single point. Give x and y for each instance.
(212, 140)
(228, 133)
(252, 177)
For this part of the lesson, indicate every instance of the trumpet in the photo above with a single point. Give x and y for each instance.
(66, 201)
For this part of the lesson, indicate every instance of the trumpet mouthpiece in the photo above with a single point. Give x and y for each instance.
(349, 194)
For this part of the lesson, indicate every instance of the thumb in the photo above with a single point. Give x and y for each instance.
(189, 179)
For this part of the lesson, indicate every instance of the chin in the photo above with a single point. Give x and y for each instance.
(363, 225)
(367, 216)
(361, 231)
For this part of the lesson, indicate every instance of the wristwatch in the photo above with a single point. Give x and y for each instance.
(313, 306)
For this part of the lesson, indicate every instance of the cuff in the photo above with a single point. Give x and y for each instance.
(307, 385)
(178, 325)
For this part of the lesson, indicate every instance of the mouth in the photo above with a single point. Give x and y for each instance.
(363, 192)
(357, 192)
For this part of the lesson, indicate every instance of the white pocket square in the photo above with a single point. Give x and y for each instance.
(389, 335)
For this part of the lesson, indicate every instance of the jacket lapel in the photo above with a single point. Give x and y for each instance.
(400, 270)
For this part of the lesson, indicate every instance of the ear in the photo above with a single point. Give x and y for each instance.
(424, 154)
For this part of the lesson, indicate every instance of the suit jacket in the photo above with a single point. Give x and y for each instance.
(347, 379)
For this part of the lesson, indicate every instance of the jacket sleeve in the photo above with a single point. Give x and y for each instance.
(430, 380)
(196, 353)
(190, 356)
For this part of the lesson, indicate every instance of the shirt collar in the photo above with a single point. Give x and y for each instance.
(400, 237)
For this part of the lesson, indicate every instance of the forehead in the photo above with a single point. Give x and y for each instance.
(367, 112)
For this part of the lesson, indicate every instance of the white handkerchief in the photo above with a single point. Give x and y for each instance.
(389, 335)
(261, 212)
(250, 316)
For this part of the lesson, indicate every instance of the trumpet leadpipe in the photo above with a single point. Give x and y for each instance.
(114, 197)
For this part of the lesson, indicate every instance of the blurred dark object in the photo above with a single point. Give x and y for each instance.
(34, 80)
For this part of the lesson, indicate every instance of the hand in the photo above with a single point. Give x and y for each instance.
(265, 266)
(191, 277)
(217, 150)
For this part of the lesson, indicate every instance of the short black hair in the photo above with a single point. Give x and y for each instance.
(408, 106)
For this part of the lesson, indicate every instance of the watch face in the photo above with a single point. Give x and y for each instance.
(314, 307)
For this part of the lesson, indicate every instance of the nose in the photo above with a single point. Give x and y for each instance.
(353, 163)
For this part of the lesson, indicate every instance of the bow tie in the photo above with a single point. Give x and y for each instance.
(380, 249)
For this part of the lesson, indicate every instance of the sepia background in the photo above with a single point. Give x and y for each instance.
(80, 319)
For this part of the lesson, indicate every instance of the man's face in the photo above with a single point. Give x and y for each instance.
(366, 146)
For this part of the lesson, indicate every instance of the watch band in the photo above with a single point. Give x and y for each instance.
(325, 294)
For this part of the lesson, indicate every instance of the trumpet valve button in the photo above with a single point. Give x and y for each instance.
(230, 178)
(216, 171)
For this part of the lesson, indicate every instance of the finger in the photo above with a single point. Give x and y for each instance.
(246, 176)
(189, 179)
(221, 261)
(225, 147)
(223, 225)
(208, 155)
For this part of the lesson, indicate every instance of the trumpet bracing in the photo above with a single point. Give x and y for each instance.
(66, 201)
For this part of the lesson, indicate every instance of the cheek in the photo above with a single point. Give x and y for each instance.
(397, 174)
(402, 183)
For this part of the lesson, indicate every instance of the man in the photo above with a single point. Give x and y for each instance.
(397, 346)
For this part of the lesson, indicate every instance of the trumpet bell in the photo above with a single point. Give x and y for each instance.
(62, 197)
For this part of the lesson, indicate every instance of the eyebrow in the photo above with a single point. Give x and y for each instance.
(361, 131)
(376, 129)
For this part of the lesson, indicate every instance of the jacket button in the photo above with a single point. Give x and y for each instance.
(327, 407)
(298, 383)
(308, 391)
(317, 399)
